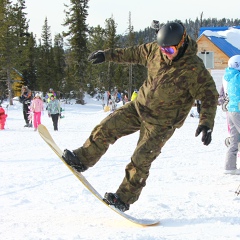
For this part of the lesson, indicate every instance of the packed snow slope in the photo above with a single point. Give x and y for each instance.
(186, 190)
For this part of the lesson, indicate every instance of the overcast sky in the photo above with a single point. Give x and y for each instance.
(142, 12)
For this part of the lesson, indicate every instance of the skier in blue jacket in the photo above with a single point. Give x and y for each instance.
(232, 76)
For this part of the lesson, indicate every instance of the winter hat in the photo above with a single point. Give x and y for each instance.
(234, 62)
(37, 95)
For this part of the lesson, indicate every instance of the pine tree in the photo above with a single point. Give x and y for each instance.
(130, 43)
(77, 37)
(30, 70)
(59, 60)
(3, 45)
(45, 63)
(111, 41)
(22, 34)
(97, 77)
(8, 43)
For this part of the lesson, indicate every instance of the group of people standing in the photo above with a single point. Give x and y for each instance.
(33, 107)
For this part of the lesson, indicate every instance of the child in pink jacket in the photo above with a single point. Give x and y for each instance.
(37, 108)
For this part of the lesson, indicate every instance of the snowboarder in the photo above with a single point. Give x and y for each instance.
(176, 77)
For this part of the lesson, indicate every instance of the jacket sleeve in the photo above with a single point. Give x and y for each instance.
(29, 94)
(49, 108)
(42, 106)
(221, 96)
(32, 106)
(136, 54)
(59, 107)
(206, 91)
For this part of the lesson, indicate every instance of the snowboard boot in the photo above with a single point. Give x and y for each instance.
(113, 199)
(72, 160)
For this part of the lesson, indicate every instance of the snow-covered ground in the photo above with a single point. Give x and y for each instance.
(41, 199)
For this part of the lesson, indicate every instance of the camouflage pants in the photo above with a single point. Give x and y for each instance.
(120, 123)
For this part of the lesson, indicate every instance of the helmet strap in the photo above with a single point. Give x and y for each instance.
(182, 49)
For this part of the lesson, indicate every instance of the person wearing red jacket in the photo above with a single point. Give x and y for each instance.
(3, 117)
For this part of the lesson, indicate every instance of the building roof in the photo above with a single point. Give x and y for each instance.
(224, 45)
(227, 39)
(215, 29)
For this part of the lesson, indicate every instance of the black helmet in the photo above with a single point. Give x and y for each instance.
(170, 34)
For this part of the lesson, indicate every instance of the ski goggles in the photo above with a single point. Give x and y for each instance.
(169, 50)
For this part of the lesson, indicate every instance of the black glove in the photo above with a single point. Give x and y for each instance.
(206, 134)
(97, 57)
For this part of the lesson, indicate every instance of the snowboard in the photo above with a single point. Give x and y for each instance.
(46, 136)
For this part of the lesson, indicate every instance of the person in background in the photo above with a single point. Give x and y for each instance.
(125, 97)
(119, 97)
(25, 99)
(134, 94)
(48, 96)
(232, 77)
(54, 111)
(3, 117)
(222, 95)
(176, 77)
(108, 97)
(37, 109)
(223, 101)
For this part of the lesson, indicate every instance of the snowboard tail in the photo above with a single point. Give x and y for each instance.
(46, 136)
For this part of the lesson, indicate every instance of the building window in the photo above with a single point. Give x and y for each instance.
(208, 58)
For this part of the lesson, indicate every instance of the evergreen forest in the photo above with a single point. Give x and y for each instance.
(60, 61)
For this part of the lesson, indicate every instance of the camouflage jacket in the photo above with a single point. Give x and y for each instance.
(168, 94)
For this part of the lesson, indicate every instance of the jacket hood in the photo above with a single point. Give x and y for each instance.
(231, 73)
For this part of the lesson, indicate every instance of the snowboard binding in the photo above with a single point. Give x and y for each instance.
(113, 199)
(72, 160)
